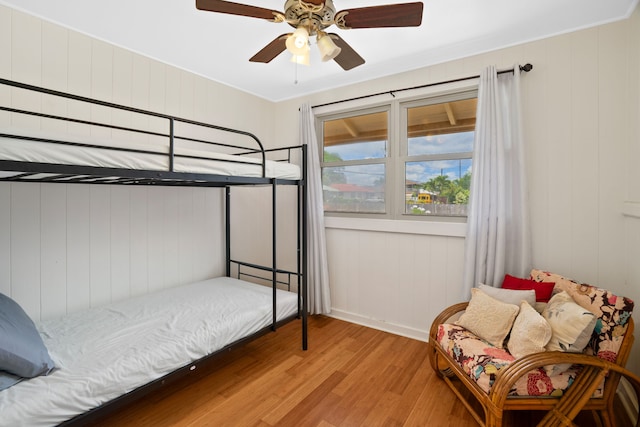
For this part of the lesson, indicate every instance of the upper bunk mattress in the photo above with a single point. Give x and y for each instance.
(105, 352)
(138, 155)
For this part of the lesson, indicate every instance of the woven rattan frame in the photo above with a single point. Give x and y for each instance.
(561, 410)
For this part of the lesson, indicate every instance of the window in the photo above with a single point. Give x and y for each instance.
(402, 160)
(437, 165)
(355, 153)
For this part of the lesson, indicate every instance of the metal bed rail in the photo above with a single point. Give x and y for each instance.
(248, 271)
(253, 146)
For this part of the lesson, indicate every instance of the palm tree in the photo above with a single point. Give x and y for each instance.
(438, 185)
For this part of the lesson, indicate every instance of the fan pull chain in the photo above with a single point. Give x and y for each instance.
(295, 79)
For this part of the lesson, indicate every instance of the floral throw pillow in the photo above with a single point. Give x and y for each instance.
(612, 312)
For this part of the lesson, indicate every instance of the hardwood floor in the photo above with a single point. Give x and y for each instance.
(350, 376)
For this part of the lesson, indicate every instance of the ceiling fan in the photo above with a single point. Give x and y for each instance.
(311, 18)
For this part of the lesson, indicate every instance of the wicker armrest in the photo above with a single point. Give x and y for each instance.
(444, 316)
(586, 382)
(441, 318)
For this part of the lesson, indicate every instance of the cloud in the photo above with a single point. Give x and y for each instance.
(461, 142)
(359, 150)
(364, 175)
(424, 171)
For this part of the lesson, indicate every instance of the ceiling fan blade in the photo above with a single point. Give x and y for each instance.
(222, 6)
(347, 58)
(390, 15)
(270, 51)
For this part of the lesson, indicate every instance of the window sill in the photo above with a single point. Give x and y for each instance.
(432, 228)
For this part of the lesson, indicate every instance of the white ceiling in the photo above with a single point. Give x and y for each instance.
(218, 46)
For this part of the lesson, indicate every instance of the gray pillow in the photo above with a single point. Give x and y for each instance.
(22, 352)
(7, 380)
(510, 296)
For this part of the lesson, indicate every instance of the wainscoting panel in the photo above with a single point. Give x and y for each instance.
(66, 247)
(393, 281)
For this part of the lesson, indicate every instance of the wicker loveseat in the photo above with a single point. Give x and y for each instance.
(533, 366)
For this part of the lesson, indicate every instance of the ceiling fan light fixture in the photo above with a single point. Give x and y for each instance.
(298, 42)
(328, 49)
(311, 17)
(301, 59)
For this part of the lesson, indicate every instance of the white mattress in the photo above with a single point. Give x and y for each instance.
(42, 152)
(103, 353)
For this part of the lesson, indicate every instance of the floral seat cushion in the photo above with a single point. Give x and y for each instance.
(481, 361)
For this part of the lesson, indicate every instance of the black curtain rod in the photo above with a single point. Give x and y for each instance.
(526, 68)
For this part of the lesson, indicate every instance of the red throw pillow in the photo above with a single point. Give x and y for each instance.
(543, 289)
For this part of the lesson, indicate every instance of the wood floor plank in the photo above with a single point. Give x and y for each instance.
(332, 353)
(311, 410)
(350, 376)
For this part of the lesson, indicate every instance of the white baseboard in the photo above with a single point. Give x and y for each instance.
(405, 331)
(628, 398)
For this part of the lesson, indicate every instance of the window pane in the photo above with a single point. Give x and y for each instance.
(358, 188)
(437, 187)
(441, 128)
(356, 138)
(356, 151)
(441, 144)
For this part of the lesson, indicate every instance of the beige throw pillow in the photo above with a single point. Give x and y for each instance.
(488, 318)
(530, 333)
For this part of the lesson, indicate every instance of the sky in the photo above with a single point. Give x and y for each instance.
(421, 171)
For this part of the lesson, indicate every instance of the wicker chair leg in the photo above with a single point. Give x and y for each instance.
(602, 418)
(494, 419)
(575, 398)
(607, 418)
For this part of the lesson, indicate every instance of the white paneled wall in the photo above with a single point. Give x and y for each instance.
(391, 280)
(632, 180)
(69, 247)
(42, 53)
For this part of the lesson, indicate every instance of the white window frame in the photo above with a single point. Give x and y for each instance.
(404, 158)
(394, 220)
(387, 160)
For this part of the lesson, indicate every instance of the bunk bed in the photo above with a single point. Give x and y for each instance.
(138, 147)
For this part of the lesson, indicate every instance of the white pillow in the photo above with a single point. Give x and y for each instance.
(488, 318)
(571, 326)
(530, 333)
(509, 296)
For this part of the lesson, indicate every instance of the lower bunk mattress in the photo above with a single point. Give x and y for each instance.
(103, 353)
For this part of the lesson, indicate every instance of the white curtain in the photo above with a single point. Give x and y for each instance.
(318, 270)
(498, 237)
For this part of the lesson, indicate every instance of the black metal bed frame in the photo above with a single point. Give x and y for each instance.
(22, 171)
